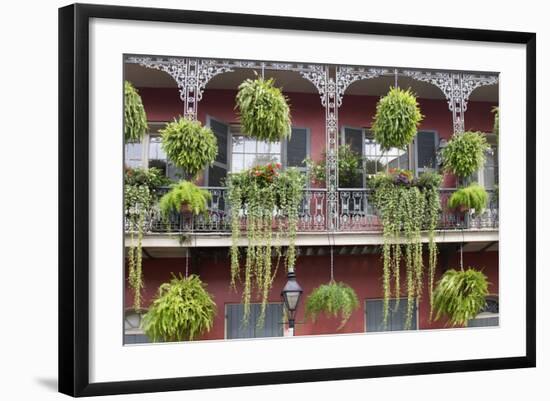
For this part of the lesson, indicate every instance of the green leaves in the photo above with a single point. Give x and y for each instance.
(264, 111)
(406, 209)
(182, 310)
(397, 119)
(270, 200)
(189, 145)
(473, 197)
(465, 153)
(460, 295)
(135, 119)
(334, 298)
(184, 193)
(349, 165)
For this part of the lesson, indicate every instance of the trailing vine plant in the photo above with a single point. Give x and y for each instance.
(268, 198)
(407, 207)
(140, 193)
(135, 118)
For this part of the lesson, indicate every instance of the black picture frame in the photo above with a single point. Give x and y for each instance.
(74, 202)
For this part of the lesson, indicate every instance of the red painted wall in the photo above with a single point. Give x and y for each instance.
(363, 273)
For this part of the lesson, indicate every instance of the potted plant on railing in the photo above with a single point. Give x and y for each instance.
(269, 199)
(181, 310)
(407, 207)
(460, 295)
(263, 110)
(332, 299)
(472, 198)
(184, 197)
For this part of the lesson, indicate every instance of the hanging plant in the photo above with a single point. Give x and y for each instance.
(135, 119)
(181, 310)
(333, 299)
(263, 110)
(270, 200)
(460, 295)
(406, 207)
(151, 177)
(473, 197)
(496, 122)
(137, 204)
(349, 166)
(184, 197)
(465, 153)
(397, 119)
(189, 145)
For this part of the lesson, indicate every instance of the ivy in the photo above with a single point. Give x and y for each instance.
(407, 207)
(270, 200)
(137, 204)
(263, 109)
(189, 145)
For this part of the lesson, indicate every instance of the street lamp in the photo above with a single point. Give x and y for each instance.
(291, 296)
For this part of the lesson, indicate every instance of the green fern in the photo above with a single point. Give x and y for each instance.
(334, 298)
(189, 145)
(135, 118)
(185, 193)
(182, 310)
(460, 295)
(465, 153)
(473, 197)
(397, 118)
(264, 110)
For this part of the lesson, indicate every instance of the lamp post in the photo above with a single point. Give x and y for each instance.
(291, 296)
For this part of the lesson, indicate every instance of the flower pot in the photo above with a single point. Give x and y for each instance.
(186, 208)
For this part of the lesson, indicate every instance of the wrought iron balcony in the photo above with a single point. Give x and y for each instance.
(355, 213)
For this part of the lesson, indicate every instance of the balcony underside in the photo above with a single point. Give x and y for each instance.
(355, 238)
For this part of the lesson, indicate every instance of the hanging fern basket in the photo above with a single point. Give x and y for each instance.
(465, 153)
(460, 295)
(333, 299)
(473, 197)
(189, 145)
(135, 118)
(263, 109)
(181, 311)
(397, 119)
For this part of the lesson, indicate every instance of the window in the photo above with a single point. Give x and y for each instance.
(132, 328)
(488, 316)
(133, 155)
(156, 156)
(425, 144)
(487, 176)
(396, 317)
(218, 171)
(273, 323)
(247, 152)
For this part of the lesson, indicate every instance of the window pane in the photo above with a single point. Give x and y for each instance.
(249, 160)
(354, 138)
(275, 147)
(132, 155)
(237, 162)
(155, 149)
(296, 150)
(238, 144)
(249, 145)
(426, 150)
(263, 147)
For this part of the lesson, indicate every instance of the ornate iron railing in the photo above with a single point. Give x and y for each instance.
(356, 212)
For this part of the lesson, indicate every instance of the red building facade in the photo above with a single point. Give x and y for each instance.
(357, 237)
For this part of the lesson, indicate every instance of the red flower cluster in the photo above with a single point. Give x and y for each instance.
(267, 172)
